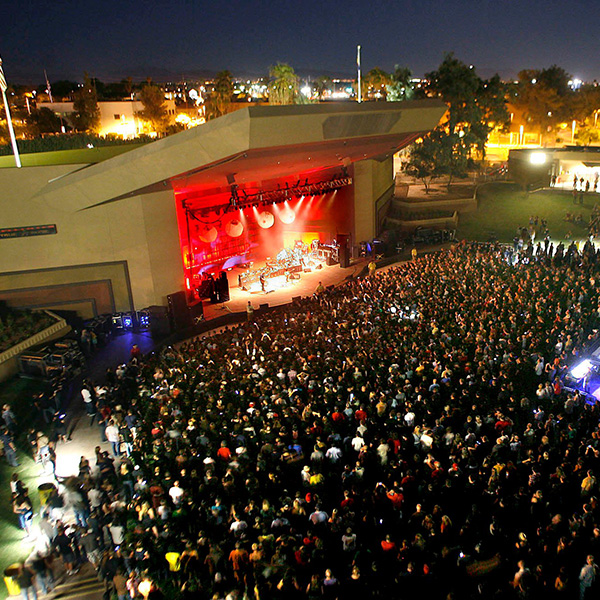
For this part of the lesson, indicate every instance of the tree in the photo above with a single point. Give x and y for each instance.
(86, 113)
(219, 101)
(283, 84)
(322, 85)
(423, 162)
(377, 81)
(61, 90)
(440, 153)
(155, 108)
(544, 97)
(587, 132)
(42, 121)
(128, 85)
(585, 108)
(475, 106)
(400, 87)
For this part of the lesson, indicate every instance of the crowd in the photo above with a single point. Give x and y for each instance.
(406, 434)
(18, 325)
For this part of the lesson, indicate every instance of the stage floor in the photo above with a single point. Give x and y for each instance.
(305, 286)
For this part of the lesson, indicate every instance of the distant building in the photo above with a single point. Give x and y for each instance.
(116, 117)
(571, 167)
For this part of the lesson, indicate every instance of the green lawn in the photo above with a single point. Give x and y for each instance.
(503, 207)
(68, 157)
(17, 392)
(12, 546)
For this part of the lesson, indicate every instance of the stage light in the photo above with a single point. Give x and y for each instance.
(582, 369)
(537, 158)
(265, 219)
(207, 234)
(234, 228)
(127, 321)
(287, 215)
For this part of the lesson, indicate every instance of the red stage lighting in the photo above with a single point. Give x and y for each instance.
(265, 219)
(234, 228)
(287, 215)
(206, 234)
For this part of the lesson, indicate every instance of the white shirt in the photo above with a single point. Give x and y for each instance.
(357, 443)
(86, 395)
(95, 497)
(334, 454)
(112, 433)
(176, 492)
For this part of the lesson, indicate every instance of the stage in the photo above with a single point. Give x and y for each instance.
(306, 285)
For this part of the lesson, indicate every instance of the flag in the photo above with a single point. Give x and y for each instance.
(3, 84)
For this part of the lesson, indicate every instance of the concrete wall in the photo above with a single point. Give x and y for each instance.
(117, 256)
(372, 179)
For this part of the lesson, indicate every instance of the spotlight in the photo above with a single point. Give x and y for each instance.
(287, 215)
(537, 158)
(265, 219)
(582, 369)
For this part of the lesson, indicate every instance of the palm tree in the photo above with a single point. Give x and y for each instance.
(220, 98)
(322, 85)
(400, 88)
(283, 84)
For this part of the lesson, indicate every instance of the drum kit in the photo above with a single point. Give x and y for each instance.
(289, 262)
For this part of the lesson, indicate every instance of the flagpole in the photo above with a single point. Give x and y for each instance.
(358, 65)
(11, 131)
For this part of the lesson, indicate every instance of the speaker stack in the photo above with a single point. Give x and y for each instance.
(179, 314)
(158, 321)
(343, 241)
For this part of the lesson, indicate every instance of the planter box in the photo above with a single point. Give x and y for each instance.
(9, 360)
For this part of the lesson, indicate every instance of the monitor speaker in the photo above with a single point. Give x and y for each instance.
(158, 321)
(196, 311)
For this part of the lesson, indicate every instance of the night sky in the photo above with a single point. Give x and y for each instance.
(166, 39)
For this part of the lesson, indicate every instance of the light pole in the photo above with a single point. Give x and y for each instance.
(359, 78)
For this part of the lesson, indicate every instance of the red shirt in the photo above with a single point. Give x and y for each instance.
(224, 453)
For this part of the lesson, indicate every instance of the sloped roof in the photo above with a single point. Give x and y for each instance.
(251, 144)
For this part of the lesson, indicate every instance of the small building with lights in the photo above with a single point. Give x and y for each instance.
(571, 167)
(118, 117)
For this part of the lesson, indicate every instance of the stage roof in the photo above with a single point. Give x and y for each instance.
(249, 146)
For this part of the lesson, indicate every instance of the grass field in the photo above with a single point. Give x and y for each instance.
(13, 548)
(68, 157)
(503, 207)
(17, 392)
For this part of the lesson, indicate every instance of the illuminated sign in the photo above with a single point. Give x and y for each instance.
(18, 232)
